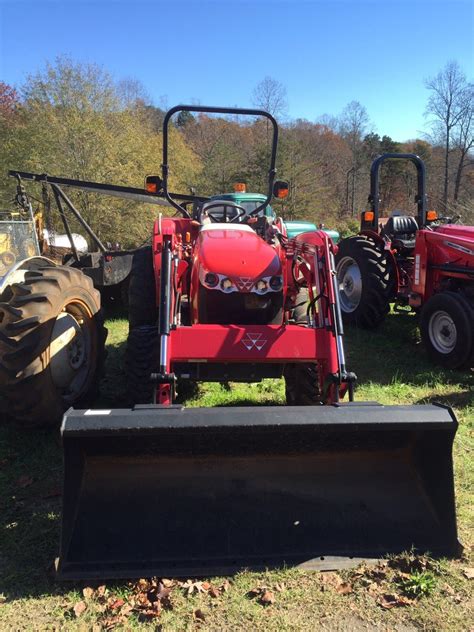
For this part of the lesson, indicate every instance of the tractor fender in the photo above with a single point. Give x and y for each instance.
(16, 274)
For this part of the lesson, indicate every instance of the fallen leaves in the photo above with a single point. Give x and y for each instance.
(263, 595)
(333, 581)
(267, 598)
(199, 615)
(389, 601)
(146, 598)
(468, 573)
(88, 593)
(79, 608)
(199, 587)
(344, 588)
(190, 587)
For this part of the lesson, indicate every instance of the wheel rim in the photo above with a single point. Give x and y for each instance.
(442, 332)
(71, 350)
(349, 281)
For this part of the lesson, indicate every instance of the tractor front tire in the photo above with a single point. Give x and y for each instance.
(52, 345)
(142, 308)
(447, 330)
(141, 360)
(365, 279)
(142, 352)
(302, 384)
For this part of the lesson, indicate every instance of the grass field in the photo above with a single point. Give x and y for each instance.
(404, 594)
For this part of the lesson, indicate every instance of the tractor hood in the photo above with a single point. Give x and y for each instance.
(457, 231)
(235, 250)
(456, 237)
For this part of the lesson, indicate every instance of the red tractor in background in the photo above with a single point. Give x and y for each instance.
(160, 489)
(426, 262)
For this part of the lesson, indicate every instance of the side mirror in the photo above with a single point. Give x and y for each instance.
(280, 189)
(153, 184)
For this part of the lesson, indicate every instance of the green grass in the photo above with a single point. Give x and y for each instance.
(392, 369)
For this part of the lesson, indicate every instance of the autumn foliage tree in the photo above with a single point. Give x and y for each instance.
(76, 121)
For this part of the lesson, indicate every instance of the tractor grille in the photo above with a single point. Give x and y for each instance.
(218, 308)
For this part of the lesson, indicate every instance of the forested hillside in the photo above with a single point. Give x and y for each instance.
(75, 121)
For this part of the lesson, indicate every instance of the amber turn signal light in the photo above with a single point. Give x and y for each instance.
(153, 184)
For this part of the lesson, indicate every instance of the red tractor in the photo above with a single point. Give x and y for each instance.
(425, 262)
(160, 489)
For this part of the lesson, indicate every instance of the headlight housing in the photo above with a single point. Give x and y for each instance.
(226, 284)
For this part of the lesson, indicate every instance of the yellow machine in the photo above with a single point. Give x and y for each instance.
(18, 237)
(51, 326)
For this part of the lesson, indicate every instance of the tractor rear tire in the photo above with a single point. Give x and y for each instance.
(366, 281)
(52, 345)
(142, 308)
(447, 330)
(302, 384)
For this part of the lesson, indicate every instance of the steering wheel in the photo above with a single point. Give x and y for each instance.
(240, 211)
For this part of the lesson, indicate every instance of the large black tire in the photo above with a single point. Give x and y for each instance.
(301, 380)
(141, 360)
(302, 384)
(142, 352)
(366, 281)
(447, 330)
(43, 370)
(142, 309)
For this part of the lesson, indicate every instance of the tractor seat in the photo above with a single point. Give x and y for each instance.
(402, 230)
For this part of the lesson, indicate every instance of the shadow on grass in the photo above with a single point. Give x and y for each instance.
(393, 352)
(454, 400)
(30, 505)
(250, 402)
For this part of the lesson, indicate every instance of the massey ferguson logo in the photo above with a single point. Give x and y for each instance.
(251, 341)
(244, 283)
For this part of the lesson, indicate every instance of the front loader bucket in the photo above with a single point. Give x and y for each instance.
(170, 491)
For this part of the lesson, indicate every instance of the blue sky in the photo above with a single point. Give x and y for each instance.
(326, 53)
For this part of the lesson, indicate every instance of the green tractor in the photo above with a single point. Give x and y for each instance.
(250, 201)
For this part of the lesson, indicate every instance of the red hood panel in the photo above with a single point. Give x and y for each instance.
(237, 252)
(457, 230)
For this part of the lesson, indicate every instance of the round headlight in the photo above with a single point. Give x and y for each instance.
(226, 284)
(211, 279)
(261, 285)
(276, 283)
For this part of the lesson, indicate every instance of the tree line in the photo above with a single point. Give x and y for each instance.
(75, 121)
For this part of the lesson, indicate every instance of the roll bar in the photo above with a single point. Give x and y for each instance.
(216, 110)
(374, 196)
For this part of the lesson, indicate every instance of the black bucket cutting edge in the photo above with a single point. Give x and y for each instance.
(208, 491)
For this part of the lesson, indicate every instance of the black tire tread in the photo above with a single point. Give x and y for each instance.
(26, 323)
(141, 360)
(142, 308)
(378, 280)
(302, 384)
